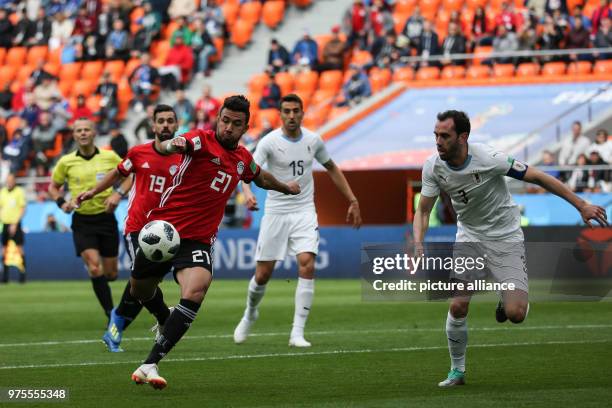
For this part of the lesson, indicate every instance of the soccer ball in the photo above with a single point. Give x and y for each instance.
(159, 241)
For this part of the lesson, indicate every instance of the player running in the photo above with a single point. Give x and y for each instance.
(153, 170)
(488, 221)
(212, 165)
(290, 225)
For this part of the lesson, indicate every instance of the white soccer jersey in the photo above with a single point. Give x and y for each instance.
(291, 159)
(485, 209)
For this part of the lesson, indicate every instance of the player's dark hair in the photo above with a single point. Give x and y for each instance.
(292, 98)
(577, 122)
(238, 103)
(163, 108)
(460, 120)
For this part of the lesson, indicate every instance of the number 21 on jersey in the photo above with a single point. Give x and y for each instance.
(222, 181)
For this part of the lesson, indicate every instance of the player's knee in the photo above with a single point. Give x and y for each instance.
(94, 270)
(516, 313)
(262, 277)
(111, 277)
(458, 309)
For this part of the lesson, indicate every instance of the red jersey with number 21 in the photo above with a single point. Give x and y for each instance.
(154, 172)
(207, 176)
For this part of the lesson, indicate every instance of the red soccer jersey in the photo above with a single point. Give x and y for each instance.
(208, 173)
(154, 172)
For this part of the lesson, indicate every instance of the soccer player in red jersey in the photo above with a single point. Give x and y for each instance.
(153, 171)
(212, 165)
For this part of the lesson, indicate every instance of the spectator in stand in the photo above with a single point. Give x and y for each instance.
(144, 129)
(333, 52)
(356, 88)
(119, 10)
(6, 30)
(184, 110)
(39, 30)
(578, 37)
(61, 30)
(142, 80)
(16, 150)
(603, 39)
(93, 49)
(203, 47)
(109, 103)
(105, 22)
(208, 104)
(43, 137)
(598, 179)
(203, 121)
(508, 18)
(117, 42)
(577, 15)
(428, 44)
(182, 30)
(548, 160)
(579, 177)
(278, 57)
(39, 73)
(150, 21)
(356, 19)
(81, 110)
(305, 53)
(383, 48)
(603, 11)
(480, 30)
(60, 114)
(527, 40)
(6, 100)
(30, 111)
(454, 43)
(179, 8)
(505, 41)
(556, 5)
(118, 143)
(19, 101)
(214, 20)
(84, 23)
(72, 52)
(574, 146)
(179, 65)
(414, 28)
(602, 145)
(550, 38)
(54, 7)
(21, 30)
(45, 92)
(271, 94)
(380, 20)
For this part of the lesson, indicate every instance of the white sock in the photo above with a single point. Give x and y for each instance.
(303, 302)
(254, 296)
(456, 329)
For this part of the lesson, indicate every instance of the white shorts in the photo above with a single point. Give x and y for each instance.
(287, 234)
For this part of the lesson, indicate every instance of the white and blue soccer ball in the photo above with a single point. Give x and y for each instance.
(159, 241)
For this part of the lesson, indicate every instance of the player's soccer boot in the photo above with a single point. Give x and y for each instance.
(298, 341)
(113, 334)
(455, 377)
(147, 374)
(244, 327)
(158, 329)
(500, 313)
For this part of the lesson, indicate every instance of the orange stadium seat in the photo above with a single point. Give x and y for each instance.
(466, 18)
(16, 56)
(116, 68)
(553, 68)
(330, 80)
(52, 68)
(322, 40)
(404, 74)
(250, 12)
(405, 6)
(361, 57)
(442, 20)
(131, 66)
(306, 82)
(528, 69)
(603, 67)
(427, 73)
(230, 12)
(322, 97)
(285, 82)
(453, 72)
(273, 13)
(219, 46)
(55, 55)
(379, 79)
(24, 72)
(272, 116)
(503, 70)
(241, 33)
(93, 102)
(92, 70)
(169, 29)
(305, 97)
(580, 68)
(2, 55)
(452, 5)
(429, 8)
(257, 82)
(11, 125)
(36, 54)
(477, 72)
(399, 21)
(83, 87)
(65, 87)
(481, 52)
(7, 74)
(124, 91)
(474, 4)
(137, 13)
(159, 52)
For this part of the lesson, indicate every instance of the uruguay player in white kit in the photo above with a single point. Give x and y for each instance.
(289, 226)
(473, 176)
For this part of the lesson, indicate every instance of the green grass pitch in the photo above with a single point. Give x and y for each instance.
(364, 353)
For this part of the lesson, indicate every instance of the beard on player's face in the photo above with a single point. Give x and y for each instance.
(165, 134)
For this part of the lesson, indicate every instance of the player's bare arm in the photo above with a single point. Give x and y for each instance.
(588, 212)
(111, 178)
(56, 195)
(337, 176)
(113, 200)
(251, 200)
(267, 181)
(421, 222)
(176, 145)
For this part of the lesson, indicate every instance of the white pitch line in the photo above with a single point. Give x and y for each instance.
(320, 333)
(303, 354)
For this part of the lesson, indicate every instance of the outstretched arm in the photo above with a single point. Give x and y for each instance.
(267, 181)
(587, 211)
(339, 180)
(57, 196)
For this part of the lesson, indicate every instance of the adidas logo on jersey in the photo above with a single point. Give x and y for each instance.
(146, 165)
(216, 160)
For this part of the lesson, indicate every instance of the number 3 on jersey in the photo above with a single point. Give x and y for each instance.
(223, 180)
(157, 183)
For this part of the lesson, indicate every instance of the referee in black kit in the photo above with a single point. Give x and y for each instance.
(94, 227)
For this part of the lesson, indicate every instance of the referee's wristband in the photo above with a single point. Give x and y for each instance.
(60, 201)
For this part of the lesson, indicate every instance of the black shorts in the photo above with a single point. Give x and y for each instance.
(6, 237)
(97, 231)
(190, 254)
